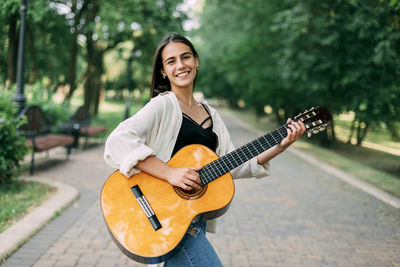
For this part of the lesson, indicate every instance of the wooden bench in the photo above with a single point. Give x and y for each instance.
(37, 132)
(80, 125)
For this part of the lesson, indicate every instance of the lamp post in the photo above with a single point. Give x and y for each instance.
(19, 97)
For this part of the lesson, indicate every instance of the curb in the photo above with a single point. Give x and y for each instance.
(366, 187)
(17, 234)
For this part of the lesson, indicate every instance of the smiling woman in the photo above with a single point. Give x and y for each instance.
(172, 122)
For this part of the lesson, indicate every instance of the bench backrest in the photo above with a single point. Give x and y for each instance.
(36, 122)
(81, 116)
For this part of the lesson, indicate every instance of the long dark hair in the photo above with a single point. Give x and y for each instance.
(158, 83)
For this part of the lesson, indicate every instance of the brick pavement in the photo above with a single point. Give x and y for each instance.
(299, 216)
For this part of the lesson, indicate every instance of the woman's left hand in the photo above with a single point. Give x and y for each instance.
(295, 131)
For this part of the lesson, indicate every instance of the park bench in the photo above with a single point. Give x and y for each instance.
(79, 125)
(37, 131)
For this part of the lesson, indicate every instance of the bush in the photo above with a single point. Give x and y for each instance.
(12, 144)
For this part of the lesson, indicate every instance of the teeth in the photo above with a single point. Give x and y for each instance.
(182, 74)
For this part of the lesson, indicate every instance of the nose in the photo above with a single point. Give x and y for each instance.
(179, 63)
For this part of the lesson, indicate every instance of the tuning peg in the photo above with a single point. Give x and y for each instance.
(309, 134)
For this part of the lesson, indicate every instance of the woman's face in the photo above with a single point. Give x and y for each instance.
(179, 65)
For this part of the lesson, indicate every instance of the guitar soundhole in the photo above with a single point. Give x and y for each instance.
(192, 194)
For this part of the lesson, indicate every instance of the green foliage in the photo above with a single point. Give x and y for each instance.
(12, 144)
(56, 113)
(66, 41)
(291, 55)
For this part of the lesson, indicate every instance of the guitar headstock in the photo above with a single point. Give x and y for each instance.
(315, 119)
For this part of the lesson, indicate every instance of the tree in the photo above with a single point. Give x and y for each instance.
(294, 54)
(67, 39)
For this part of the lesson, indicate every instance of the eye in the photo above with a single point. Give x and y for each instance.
(170, 62)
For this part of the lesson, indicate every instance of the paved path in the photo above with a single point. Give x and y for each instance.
(299, 216)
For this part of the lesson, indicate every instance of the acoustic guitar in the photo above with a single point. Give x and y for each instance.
(147, 217)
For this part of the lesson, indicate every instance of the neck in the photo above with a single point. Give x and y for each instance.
(184, 95)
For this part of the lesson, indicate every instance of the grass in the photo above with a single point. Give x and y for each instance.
(19, 198)
(377, 162)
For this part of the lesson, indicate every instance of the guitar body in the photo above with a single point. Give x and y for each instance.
(174, 208)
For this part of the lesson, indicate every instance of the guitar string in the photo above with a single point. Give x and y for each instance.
(265, 140)
(216, 171)
(263, 143)
(168, 197)
(252, 151)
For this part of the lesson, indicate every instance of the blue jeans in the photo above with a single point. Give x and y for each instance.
(195, 251)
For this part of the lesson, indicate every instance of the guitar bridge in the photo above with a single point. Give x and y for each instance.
(144, 204)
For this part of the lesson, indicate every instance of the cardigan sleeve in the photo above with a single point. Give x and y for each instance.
(126, 145)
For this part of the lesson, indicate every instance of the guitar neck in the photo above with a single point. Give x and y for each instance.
(233, 159)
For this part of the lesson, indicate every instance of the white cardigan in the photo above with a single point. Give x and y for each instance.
(153, 130)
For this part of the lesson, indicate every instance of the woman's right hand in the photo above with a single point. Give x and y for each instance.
(186, 178)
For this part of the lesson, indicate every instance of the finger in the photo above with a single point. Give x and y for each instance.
(185, 187)
(194, 179)
(296, 130)
(193, 184)
(198, 168)
(190, 185)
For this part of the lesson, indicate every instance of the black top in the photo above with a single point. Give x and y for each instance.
(193, 133)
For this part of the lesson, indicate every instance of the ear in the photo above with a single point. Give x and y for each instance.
(197, 62)
(163, 73)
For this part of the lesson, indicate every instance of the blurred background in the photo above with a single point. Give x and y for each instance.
(263, 61)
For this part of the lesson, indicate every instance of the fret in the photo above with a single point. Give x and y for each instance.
(226, 162)
(225, 167)
(204, 175)
(255, 148)
(262, 146)
(242, 154)
(235, 158)
(222, 167)
(280, 134)
(265, 138)
(215, 168)
(214, 174)
(253, 151)
(238, 158)
(270, 134)
(229, 157)
(277, 136)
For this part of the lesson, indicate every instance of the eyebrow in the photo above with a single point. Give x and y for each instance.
(183, 54)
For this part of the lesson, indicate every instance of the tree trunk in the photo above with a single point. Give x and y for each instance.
(353, 126)
(12, 50)
(30, 45)
(362, 133)
(333, 134)
(71, 76)
(394, 132)
(93, 82)
(94, 65)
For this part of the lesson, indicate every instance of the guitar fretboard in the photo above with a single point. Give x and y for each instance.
(233, 159)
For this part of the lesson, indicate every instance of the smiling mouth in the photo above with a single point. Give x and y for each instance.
(183, 74)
